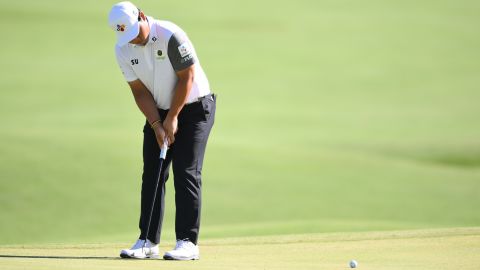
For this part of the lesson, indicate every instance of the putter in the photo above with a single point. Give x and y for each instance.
(163, 154)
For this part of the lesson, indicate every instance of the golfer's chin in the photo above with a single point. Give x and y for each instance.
(139, 42)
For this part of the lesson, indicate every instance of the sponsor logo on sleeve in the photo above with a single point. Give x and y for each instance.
(184, 49)
(186, 58)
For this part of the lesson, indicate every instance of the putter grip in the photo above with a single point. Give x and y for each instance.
(163, 150)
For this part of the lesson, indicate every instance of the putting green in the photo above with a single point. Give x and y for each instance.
(332, 116)
(437, 249)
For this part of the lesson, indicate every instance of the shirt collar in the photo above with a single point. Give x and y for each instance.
(152, 37)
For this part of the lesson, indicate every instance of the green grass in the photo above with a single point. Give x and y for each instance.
(332, 117)
(422, 249)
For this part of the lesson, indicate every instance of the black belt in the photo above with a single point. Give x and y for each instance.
(211, 96)
(199, 99)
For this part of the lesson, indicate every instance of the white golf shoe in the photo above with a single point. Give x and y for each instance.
(184, 251)
(138, 251)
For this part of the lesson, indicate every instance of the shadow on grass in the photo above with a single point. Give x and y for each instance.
(59, 257)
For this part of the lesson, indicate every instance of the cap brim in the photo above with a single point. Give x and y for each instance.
(125, 37)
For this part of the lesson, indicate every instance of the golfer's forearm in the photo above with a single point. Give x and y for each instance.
(182, 90)
(145, 101)
(147, 106)
(180, 97)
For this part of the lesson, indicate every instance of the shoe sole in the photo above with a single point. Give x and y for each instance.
(170, 258)
(126, 256)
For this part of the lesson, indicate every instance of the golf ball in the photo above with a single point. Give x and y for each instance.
(353, 264)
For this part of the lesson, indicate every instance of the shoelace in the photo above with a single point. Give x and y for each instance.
(138, 244)
(182, 244)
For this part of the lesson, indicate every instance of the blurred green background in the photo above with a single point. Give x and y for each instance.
(332, 116)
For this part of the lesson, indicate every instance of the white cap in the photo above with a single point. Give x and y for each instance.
(123, 19)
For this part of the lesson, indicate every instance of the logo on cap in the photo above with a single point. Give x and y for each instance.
(121, 27)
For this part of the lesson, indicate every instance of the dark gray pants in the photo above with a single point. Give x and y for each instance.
(186, 156)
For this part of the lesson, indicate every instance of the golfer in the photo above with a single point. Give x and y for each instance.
(170, 88)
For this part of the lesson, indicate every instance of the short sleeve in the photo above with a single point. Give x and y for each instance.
(180, 52)
(125, 66)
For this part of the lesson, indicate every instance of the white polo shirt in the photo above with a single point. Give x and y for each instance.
(168, 50)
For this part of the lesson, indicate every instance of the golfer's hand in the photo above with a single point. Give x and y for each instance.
(170, 125)
(159, 134)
